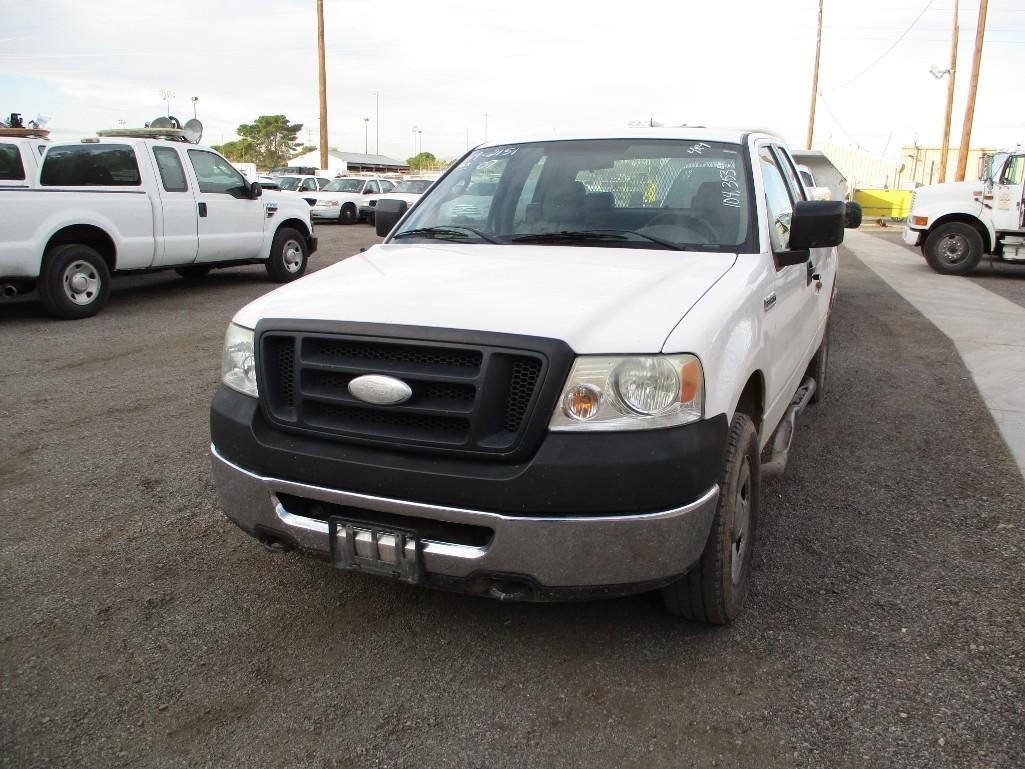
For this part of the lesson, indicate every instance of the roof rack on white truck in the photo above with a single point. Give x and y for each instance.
(956, 223)
(136, 200)
(554, 379)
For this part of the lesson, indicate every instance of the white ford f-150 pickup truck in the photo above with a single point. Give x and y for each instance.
(561, 387)
(130, 204)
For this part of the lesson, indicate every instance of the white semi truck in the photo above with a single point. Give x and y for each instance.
(957, 223)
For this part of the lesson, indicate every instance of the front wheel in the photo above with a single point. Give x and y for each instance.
(954, 248)
(715, 590)
(288, 256)
(348, 214)
(74, 282)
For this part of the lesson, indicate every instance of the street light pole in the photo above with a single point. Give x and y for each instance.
(945, 148)
(366, 140)
(377, 122)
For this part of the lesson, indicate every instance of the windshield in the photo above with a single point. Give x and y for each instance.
(345, 185)
(415, 186)
(288, 182)
(629, 193)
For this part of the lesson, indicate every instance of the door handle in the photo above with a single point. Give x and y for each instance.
(202, 209)
(769, 302)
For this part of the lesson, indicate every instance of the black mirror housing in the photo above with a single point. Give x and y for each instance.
(853, 216)
(817, 224)
(387, 213)
(255, 190)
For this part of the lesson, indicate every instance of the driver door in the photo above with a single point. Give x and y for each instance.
(1008, 206)
(230, 223)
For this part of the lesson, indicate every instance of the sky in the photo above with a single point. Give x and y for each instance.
(533, 66)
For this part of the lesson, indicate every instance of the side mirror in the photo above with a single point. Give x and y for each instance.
(852, 216)
(817, 224)
(387, 214)
(255, 190)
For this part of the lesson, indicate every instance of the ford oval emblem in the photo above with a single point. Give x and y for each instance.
(380, 390)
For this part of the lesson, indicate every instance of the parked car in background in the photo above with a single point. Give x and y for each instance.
(132, 203)
(556, 378)
(408, 190)
(21, 152)
(342, 200)
(808, 180)
(267, 182)
(304, 186)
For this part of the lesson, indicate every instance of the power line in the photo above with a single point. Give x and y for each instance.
(887, 51)
(839, 124)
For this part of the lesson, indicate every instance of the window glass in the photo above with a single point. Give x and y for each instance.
(215, 174)
(417, 186)
(172, 174)
(628, 193)
(322, 182)
(309, 184)
(789, 173)
(11, 168)
(1014, 171)
(777, 201)
(90, 165)
(372, 188)
(807, 179)
(387, 185)
(344, 185)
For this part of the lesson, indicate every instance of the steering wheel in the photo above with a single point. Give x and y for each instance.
(689, 221)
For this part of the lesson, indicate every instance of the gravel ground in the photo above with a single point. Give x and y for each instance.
(1003, 278)
(139, 628)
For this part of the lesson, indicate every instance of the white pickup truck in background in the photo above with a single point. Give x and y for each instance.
(130, 203)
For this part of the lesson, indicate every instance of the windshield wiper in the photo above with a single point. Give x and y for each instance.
(593, 235)
(447, 231)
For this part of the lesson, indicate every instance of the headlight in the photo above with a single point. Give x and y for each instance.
(639, 392)
(238, 366)
(328, 203)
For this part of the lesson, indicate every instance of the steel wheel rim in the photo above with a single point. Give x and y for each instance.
(740, 533)
(81, 282)
(292, 255)
(954, 248)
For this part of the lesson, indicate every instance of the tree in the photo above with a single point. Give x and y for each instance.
(240, 151)
(422, 161)
(304, 150)
(273, 138)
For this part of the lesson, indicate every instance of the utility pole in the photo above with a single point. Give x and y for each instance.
(815, 80)
(945, 148)
(323, 83)
(969, 115)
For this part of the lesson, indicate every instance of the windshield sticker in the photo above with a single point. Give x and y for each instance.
(730, 187)
(496, 152)
(698, 148)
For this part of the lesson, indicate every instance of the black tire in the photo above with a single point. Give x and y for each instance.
(818, 369)
(194, 271)
(289, 256)
(74, 281)
(954, 248)
(714, 591)
(348, 214)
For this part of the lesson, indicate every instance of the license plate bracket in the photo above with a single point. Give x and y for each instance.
(389, 551)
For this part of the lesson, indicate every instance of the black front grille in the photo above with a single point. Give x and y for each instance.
(466, 398)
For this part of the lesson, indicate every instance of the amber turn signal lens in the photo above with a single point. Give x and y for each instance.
(690, 381)
(581, 402)
(920, 221)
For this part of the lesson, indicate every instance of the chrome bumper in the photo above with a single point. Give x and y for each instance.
(556, 552)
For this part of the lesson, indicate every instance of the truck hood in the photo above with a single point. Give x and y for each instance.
(961, 192)
(598, 300)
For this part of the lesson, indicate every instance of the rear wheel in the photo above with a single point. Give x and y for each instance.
(954, 248)
(715, 590)
(74, 282)
(288, 256)
(194, 271)
(348, 214)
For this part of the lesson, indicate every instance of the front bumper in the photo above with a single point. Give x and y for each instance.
(912, 237)
(544, 556)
